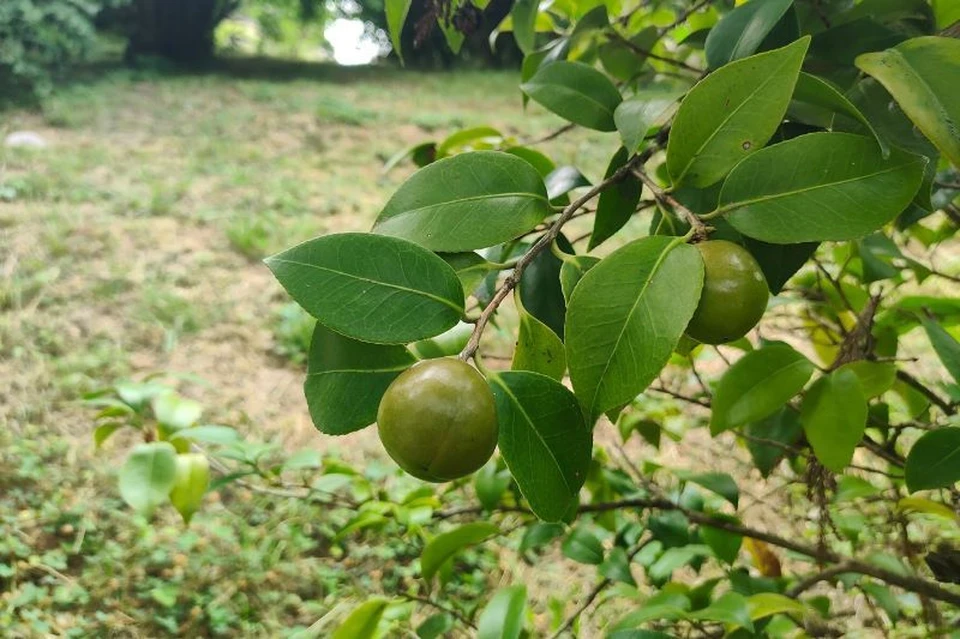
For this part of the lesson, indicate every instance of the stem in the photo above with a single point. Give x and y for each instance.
(439, 606)
(511, 281)
(700, 230)
(613, 35)
(912, 381)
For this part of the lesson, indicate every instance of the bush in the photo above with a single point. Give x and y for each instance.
(40, 36)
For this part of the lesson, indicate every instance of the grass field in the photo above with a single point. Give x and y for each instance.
(132, 245)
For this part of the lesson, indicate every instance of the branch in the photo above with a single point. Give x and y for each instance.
(683, 17)
(700, 230)
(441, 607)
(511, 281)
(912, 381)
(552, 135)
(613, 35)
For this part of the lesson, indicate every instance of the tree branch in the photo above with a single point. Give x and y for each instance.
(633, 46)
(439, 606)
(915, 383)
(700, 230)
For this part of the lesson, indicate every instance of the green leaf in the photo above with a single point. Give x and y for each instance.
(103, 432)
(645, 109)
(664, 605)
(543, 164)
(576, 92)
(363, 621)
(538, 535)
(934, 461)
(470, 268)
(451, 34)
(207, 434)
(397, 11)
(779, 262)
(582, 546)
(757, 385)
(842, 43)
(675, 558)
(489, 484)
(725, 545)
(920, 74)
(821, 186)
(945, 346)
(731, 608)
(444, 546)
(436, 626)
(720, 483)
(372, 287)
(625, 318)
(766, 604)
(148, 475)
(834, 416)
(502, 618)
(538, 348)
(572, 272)
(740, 32)
(616, 567)
(731, 114)
(819, 92)
(346, 380)
(190, 484)
(540, 289)
(928, 507)
(543, 439)
(564, 179)
(782, 427)
(617, 204)
(480, 136)
(420, 154)
(465, 202)
(176, 412)
(876, 378)
(524, 15)
(623, 61)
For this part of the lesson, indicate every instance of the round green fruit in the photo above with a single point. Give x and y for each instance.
(734, 295)
(438, 420)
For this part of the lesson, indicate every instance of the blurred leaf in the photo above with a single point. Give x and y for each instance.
(502, 618)
(616, 567)
(720, 483)
(934, 460)
(208, 434)
(363, 622)
(103, 432)
(740, 32)
(730, 608)
(725, 545)
(945, 346)
(489, 484)
(834, 416)
(176, 412)
(445, 545)
(576, 92)
(582, 546)
(435, 626)
(190, 484)
(148, 475)
(397, 11)
(766, 604)
(524, 14)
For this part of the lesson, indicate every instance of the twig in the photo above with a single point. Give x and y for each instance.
(633, 46)
(511, 281)
(683, 17)
(439, 606)
(552, 135)
(912, 381)
(676, 395)
(700, 230)
(824, 575)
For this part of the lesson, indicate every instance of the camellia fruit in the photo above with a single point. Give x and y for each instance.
(438, 420)
(734, 296)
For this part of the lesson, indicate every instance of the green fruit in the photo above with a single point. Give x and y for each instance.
(190, 484)
(445, 344)
(438, 420)
(734, 294)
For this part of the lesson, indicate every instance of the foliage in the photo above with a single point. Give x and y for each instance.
(831, 182)
(37, 35)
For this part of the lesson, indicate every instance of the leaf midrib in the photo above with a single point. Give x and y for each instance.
(716, 131)
(413, 291)
(526, 416)
(766, 198)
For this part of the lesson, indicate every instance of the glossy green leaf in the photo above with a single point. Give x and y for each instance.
(876, 378)
(616, 567)
(346, 379)
(540, 289)
(397, 11)
(470, 269)
(720, 483)
(576, 92)
(564, 179)
(725, 545)
(625, 318)
(465, 202)
(147, 476)
(502, 618)
(920, 73)
(934, 461)
(842, 43)
(524, 14)
(371, 287)
(819, 92)
(582, 546)
(642, 111)
(779, 262)
(543, 164)
(480, 136)
(731, 114)
(945, 346)
(192, 478)
(821, 186)
(740, 32)
(538, 348)
(543, 439)
(757, 385)
(834, 416)
(730, 608)
(445, 545)
(783, 427)
(617, 204)
(363, 621)
(572, 272)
